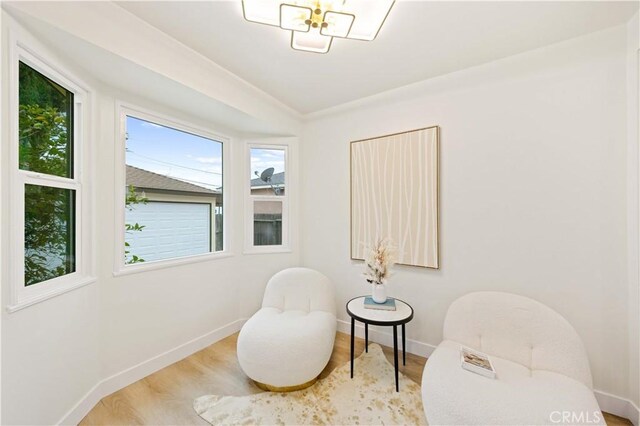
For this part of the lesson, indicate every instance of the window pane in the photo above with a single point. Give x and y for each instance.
(267, 223)
(174, 193)
(267, 171)
(45, 124)
(49, 233)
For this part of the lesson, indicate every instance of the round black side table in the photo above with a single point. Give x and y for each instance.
(402, 315)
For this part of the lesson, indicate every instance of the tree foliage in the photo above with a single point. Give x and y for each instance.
(49, 212)
(49, 233)
(45, 123)
(131, 200)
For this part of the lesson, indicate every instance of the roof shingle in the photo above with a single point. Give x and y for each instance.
(144, 179)
(276, 179)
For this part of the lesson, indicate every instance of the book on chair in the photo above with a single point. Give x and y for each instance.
(477, 362)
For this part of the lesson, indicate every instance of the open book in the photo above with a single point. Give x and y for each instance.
(477, 362)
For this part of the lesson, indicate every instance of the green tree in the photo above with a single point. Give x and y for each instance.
(49, 233)
(44, 146)
(131, 200)
(45, 123)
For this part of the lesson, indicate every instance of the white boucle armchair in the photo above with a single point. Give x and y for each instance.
(288, 342)
(543, 374)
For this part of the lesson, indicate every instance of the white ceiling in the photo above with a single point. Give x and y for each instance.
(132, 82)
(420, 40)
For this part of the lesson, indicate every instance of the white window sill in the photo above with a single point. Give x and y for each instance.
(169, 263)
(56, 291)
(267, 250)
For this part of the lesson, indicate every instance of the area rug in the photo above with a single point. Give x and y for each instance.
(370, 398)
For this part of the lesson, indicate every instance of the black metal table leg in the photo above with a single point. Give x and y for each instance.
(353, 329)
(404, 345)
(395, 354)
(366, 337)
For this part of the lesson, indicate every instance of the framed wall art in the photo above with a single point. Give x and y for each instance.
(394, 195)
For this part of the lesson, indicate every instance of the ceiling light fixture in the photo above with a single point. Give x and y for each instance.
(314, 23)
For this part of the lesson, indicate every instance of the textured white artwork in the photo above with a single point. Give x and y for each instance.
(394, 195)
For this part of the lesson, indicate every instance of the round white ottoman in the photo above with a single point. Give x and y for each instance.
(289, 341)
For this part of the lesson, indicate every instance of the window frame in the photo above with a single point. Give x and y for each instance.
(123, 110)
(22, 296)
(285, 247)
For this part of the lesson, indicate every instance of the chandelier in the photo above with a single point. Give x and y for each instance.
(315, 23)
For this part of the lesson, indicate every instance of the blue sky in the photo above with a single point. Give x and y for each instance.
(185, 156)
(174, 153)
(262, 159)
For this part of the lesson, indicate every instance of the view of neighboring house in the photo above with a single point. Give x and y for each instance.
(267, 215)
(260, 187)
(179, 218)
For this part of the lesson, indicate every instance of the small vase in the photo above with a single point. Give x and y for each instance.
(378, 293)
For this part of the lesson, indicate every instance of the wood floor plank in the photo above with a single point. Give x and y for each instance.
(166, 396)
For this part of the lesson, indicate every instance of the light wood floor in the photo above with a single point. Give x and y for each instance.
(166, 396)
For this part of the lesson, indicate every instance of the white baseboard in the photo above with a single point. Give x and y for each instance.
(386, 338)
(137, 372)
(619, 406)
(610, 403)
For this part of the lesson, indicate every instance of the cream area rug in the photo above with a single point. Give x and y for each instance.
(370, 398)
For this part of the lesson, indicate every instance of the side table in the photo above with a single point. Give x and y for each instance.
(401, 316)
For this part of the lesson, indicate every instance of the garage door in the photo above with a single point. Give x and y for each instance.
(170, 230)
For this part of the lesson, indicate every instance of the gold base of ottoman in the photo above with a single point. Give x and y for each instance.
(270, 388)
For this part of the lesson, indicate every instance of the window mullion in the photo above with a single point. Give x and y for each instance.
(49, 181)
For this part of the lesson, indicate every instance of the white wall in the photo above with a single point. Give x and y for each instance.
(533, 190)
(55, 352)
(146, 314)
(633, 212)
(46, 345)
